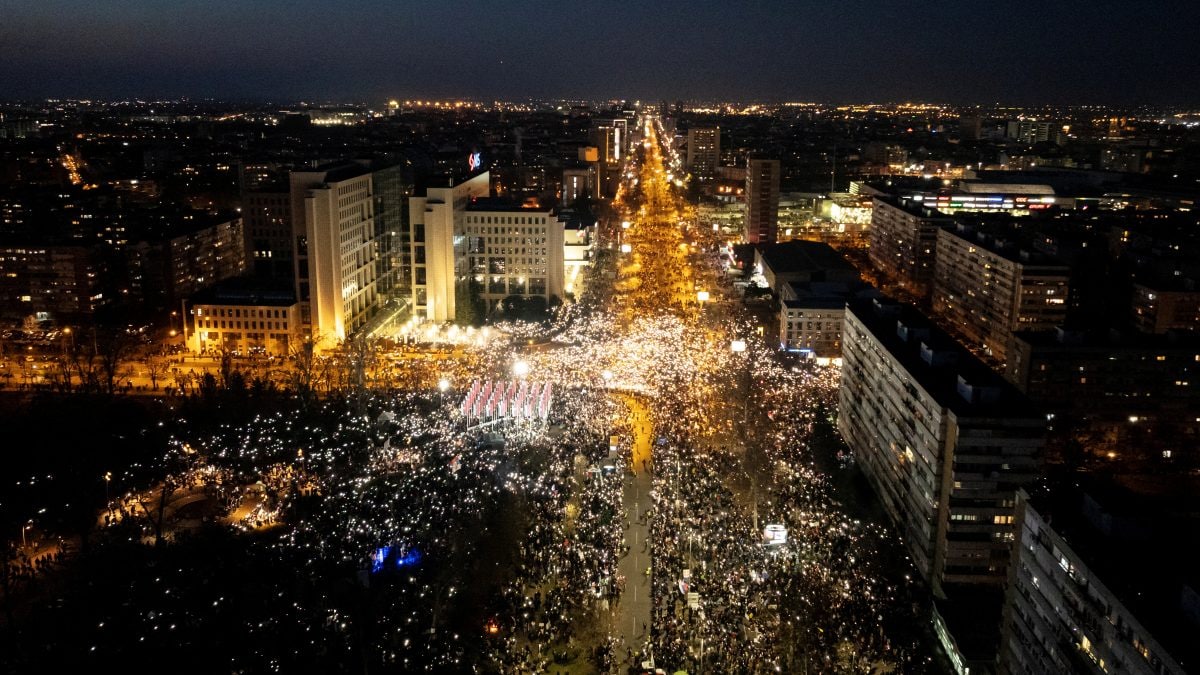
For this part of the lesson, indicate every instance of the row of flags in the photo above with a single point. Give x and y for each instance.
(507, 398)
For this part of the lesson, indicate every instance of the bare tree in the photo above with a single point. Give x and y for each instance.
(155, 369)
(360, 359)
(112, 347)
(307, 367)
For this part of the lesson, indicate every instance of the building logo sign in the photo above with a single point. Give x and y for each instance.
(475, 160)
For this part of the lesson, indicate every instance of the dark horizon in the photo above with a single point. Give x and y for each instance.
(1016, 53)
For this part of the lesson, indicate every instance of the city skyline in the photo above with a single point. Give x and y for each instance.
(1018, 52)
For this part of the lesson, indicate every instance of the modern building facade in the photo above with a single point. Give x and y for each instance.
(903, 240)
(987, 289)
(762, 201)
(942, 439)
(514, 251)
(337, 251)
(245, 320)
(439, 248)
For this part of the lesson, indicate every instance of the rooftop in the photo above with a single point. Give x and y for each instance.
(953, 376)
(803, 256)
(1136, 543)
(245, 291)
(500, 204)
(913, 208)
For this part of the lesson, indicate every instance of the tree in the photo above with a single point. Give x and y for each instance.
(154, 369)
(361, 358)
(111, 347)
(470, 309)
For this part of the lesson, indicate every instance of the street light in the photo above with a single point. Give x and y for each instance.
(27, 526)
(520, 369)
(443, 385)
(607, 375)
(107, 494)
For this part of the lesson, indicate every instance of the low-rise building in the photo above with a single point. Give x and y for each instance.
(245, 319)
(811, 315)
(801, 261)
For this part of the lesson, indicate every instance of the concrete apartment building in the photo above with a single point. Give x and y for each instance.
(51, 281)
(704, 151)
(1159, 307)
(578, 179)
(903, 241)
(762, 201)
(1062, 616)
(987, 288)
(191, 255)
(942, 439)
(267, 217)
(1136, 389)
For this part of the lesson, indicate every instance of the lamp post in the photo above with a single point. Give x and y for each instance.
(107, 494)
(24, 528)
(520, 369)
(607, 376)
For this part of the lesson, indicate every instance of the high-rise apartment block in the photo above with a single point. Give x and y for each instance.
(578, 179)
(903, 241)
(1159, 306)
(1063, 614)
(704, 151)
(943, 440)
(611, 139)
(762, 201)
(987, 288)
(45, 281)
(267, 219)
(1032, 131)
(192, 254)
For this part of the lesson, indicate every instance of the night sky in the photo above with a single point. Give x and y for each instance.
(960, 51)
